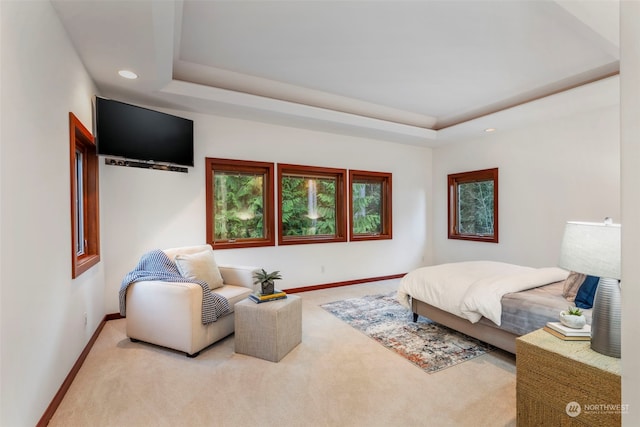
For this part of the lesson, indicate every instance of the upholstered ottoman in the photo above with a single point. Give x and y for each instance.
(268, 330)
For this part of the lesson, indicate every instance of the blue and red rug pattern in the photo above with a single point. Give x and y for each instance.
(428, 345)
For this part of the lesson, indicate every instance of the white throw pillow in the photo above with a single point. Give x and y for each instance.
(200, 266)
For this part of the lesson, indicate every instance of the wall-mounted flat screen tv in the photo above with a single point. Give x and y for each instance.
(124, 130)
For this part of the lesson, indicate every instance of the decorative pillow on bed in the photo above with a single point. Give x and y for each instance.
(572, 284)
(200, 266)
(584, 297)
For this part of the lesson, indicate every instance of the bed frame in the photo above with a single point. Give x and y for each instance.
(482, 331)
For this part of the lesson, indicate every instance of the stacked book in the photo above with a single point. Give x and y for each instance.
(258, 297)
(568, 334)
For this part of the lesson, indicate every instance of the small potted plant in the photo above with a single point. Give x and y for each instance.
(573, 318)
(266, 280)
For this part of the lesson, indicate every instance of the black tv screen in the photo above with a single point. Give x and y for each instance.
(132, 132)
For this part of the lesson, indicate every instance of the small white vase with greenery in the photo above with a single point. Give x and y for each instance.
(573, 318)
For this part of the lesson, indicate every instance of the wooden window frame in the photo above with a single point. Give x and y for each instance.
(230, 165)
(464, 178)
(81, 140)
(384, 179)
(340, 175)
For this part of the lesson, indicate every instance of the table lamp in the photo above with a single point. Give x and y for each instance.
(594, 249)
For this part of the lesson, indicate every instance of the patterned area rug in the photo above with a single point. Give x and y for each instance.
(426, 344)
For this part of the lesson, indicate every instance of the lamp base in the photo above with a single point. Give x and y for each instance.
(606, 318)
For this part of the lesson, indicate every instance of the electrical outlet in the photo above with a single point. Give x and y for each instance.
(84, 318)
(322, 269)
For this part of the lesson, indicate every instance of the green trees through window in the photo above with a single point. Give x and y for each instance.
(312, 204)
(239, 205)
(308, 206)
(370, 205)
(366, 200)
(475, 208)
(473, 205)
(240, 208)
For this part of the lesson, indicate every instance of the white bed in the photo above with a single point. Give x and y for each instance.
(492, 301)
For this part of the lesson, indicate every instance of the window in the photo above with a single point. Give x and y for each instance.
(311, 202)
(79, 211)
(370, 203)
(473, 205)
(85, 223)
(239, 203)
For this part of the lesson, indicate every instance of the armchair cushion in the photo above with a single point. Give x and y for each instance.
(200, 266)
(238, 275)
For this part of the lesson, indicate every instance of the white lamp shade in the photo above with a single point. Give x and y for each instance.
(591, 248)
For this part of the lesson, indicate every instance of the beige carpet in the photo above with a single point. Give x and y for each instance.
(337, 376)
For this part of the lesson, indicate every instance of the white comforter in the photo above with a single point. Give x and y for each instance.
(473, 289)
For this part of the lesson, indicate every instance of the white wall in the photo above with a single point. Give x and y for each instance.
(630, 168)
(43, 331)
(147, 209)
(549, 173)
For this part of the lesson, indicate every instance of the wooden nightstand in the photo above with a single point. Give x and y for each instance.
(557, 379)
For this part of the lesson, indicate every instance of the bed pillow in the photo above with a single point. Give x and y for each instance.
(571, 285)
(584, 297)
(200, 266)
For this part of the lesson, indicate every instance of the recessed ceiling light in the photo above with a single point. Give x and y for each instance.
(490, 130)
(128, 74)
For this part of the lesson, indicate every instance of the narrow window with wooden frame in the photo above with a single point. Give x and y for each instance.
(85, 218)
(239, 203)
(370, 203)
(473, 205)
(311, 204)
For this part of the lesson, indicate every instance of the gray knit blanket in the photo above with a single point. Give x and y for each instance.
(156, 265)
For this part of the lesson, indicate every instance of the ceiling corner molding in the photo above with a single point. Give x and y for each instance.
(331, 120)
(588, 97)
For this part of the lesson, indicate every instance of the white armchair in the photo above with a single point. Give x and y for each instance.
(169, 314)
